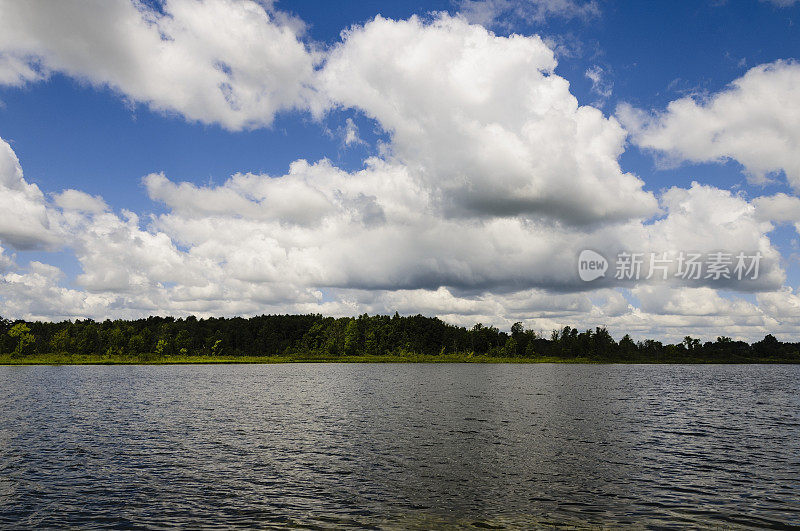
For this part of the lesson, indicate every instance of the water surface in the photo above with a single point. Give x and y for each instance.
(400, 445)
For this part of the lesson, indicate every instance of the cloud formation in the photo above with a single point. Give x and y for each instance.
(490, 13)
(231, 62)
(484, 122)
(492, 181)
(25, 222)
(755, 121)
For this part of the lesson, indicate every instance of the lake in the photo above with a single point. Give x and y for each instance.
(400, 445)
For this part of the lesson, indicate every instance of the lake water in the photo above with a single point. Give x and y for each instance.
(400, 446)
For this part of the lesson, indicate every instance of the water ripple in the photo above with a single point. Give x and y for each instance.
(400, 446)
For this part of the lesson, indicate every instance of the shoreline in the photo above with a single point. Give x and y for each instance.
(56, 360)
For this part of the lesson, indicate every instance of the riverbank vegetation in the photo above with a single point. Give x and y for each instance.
(378, 338)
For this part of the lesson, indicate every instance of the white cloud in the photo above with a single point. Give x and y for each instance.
(6, 261)
(35, 294)
(780, 208)
(117, 256)
(376, 229)
(704, 218)
(16, 70)
(494, 179)
(351, 133)
(25, 222)
(783, 304)
(490, 13)
(231, 62)
(245, 257)
(80, 202)
(484, 122)
(661, 300)
(601, 86)
(755, 121)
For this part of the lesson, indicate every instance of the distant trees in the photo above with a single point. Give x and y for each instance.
(61, 342)
(351, 338)
(316, 336)
(691, 344)
(24, 338)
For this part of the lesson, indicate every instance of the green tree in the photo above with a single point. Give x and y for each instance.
(136, 345)
(511, 348)
(691, 343)
(61, 341)
(216, 348)
(627, 347)
(603, 345)
(183, 342)
(351, 338)
(116, 341)
(88, 339)
(162, 347)
(24, 338)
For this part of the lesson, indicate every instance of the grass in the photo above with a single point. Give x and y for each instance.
(75, 359)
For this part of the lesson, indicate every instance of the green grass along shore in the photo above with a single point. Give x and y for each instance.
(67, 359)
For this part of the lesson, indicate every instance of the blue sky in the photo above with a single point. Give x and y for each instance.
(72, 128)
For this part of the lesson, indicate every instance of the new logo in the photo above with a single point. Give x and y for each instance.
(591, 265)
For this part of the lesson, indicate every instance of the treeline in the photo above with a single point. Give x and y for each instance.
(315, 336)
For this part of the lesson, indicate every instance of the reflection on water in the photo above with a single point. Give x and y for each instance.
(400, 445)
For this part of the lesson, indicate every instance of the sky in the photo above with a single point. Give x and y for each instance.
(453, 158)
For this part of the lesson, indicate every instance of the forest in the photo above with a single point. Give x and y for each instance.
(363, 338)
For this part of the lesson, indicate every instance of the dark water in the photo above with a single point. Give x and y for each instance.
(400, 446)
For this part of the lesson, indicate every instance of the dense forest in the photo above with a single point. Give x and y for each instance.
(318, 337)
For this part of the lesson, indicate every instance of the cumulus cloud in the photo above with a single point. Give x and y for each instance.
(231, 62)
(117, 256)
(35, 293)
(755, 121)
(6, 261)
(783, 304)
(780, 208)
(484, 122)
(492, 182)
(661, 300)
(25, 222)
(375, 229)
(246, 256)
(75, 200)
(706, 218)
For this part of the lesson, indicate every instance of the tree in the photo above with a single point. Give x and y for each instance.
(88, 339)
(136, 345)
(351, 338)
(511, 348)
(627, 347)
(162, 347)
(116, 341)
(690, 343)
(603, 344)
(183, 342)
(216, 348)
(61, 341)
(25, 339)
